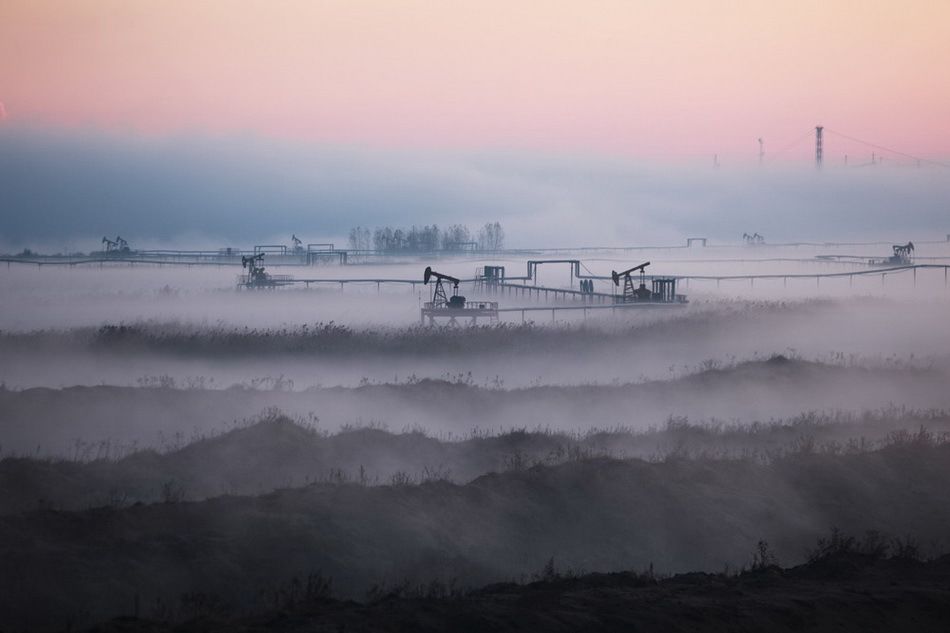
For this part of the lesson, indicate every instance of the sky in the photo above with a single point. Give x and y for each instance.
(251, 115)
(642, 78)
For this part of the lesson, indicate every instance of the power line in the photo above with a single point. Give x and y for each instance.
(789, 146)
(888, 149)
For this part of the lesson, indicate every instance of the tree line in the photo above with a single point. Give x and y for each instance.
(424, 239)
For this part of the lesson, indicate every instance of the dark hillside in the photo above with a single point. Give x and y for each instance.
(594, 514)
(51, 420)
(847, 592)
(277, 452)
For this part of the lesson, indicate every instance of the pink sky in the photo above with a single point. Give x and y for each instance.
(638, 78)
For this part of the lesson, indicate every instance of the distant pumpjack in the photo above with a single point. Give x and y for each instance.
(116, 246)
(902, 253)
(256, 277)
(439, 298)
(629, 292)
(904, 249)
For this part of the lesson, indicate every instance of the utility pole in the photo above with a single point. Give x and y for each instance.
(761, 152)
(819, 150)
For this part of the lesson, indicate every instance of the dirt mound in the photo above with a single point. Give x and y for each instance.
(49, 421)
(880, 595)
(277, 452)
(591, 514)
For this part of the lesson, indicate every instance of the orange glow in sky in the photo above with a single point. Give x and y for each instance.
(645, 78)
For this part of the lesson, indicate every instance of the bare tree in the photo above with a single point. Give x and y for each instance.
(426, 239)
(455, 236)
(360, 238)
(491, 237)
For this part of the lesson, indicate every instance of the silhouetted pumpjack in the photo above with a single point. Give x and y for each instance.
(901, 256)
(116, 246)
(454, 307)
(256, 277)
(439, 298)
(903, 250)
(629, 292)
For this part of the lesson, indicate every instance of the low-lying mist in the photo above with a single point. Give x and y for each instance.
(69, 188)
(259, 455)
(41, 421)
(626, 347)
(137, 467)
(677, 512)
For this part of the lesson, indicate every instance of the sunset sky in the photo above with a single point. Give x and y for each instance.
(595, 122)
(630, 78)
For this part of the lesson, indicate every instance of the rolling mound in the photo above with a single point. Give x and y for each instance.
(49, 421)
(595, 514)
(277, 452)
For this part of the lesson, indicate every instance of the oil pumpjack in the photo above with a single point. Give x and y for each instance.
(903, 255)
(257, 277)
(630, 293)
(439, 299)
(118, 246)
(454, 307)
(664, 288)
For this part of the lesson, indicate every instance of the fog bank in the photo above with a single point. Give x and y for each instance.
(64, 190)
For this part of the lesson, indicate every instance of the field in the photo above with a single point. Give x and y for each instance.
(178, 455)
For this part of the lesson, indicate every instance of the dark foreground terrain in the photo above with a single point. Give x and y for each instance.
(597, 499)
(676, 513)
(845, 590)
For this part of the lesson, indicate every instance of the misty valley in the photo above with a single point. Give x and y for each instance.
(178, 454)
(376, 316)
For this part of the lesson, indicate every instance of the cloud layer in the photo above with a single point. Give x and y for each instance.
(77, 186)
